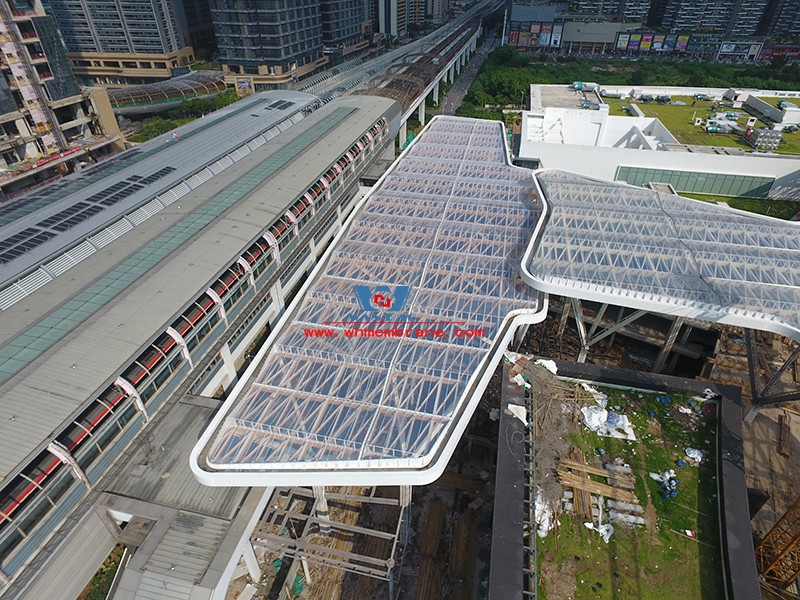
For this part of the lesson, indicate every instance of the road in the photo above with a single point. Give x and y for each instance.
(456, 94)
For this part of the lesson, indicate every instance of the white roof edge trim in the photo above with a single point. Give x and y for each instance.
(422, 476)
(711, 313)
(422, 471)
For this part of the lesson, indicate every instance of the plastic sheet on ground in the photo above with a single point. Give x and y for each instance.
(512, 357)
(544, 516)
(520, 412)
(694, 454)
(598, 396)
(605, 531)
(607, 423)
(547, 364)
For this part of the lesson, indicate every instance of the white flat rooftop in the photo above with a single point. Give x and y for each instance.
(587, 127)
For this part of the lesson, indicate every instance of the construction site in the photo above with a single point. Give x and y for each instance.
(444, 540)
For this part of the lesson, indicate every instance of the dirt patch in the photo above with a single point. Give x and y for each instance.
(560, 581)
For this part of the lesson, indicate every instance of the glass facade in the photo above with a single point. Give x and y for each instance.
(748, 186)
(127, 26)
(275, 33)
(63, 84)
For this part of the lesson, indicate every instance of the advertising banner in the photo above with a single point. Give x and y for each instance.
(622, 41)
(513, 38)
(633, 43)
(658, 42)
(647, 41)
(669, 42)
(682, 43)
(555, 39)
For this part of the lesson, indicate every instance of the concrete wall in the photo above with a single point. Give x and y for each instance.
(603, 163)
(599, 33)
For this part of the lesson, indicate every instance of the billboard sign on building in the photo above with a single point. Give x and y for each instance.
(746, 50)
(647, 41)
(633, 43)
(622, 41)
(658, 43)
(669, 43)
(555, 37)
(682, 43)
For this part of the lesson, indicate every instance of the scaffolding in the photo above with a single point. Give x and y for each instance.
(778, 554)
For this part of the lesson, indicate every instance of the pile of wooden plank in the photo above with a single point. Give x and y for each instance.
(574, 474)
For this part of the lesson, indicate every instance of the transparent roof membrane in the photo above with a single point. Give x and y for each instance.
(442, 237)
(634, 243)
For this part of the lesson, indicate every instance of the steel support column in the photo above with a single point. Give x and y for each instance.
(672, 335)
(228, 365)
(597, 319)
(776, 377)
(251, 562)
(577, 308)
(321, 507)
(752, 366)
(617, 326)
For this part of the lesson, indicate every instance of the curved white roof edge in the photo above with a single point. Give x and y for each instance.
(420, 471)
(637, 300)
(376, 472)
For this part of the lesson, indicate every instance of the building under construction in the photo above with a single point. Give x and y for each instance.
(48, 124)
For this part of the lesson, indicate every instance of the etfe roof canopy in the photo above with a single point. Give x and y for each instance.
(630, 246)
(451, 233)
(441, 237)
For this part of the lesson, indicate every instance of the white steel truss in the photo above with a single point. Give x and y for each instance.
(612, 242)
(451, 221)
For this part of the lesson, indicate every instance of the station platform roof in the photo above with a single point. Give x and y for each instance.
(65, 341)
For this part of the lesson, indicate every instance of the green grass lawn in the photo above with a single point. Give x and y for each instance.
(680, 122)
(780, 209)
(651, 562)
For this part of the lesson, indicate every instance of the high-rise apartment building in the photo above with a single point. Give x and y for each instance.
(269, 37)
(392, 18)
(439, 10)
(46, 120)
(341, 21)
(125, 42)
(746, 17)
(635, 10)
(781, 17)
(735, 18)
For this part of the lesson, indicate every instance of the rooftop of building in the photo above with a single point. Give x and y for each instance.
(441, 237)
(65, 342)
(590, 127)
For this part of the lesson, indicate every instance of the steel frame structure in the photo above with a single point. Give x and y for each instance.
(612, 242)
(778, 553)
(290, 532)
